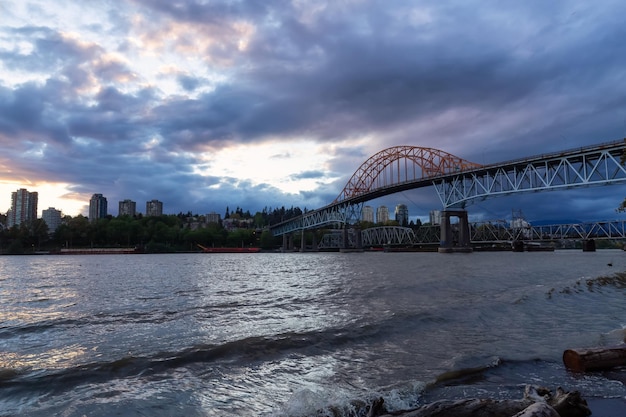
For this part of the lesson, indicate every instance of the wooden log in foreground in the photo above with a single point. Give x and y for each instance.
(582, 360)
(538, 410)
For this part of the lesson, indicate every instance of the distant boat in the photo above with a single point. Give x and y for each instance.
(229, 250)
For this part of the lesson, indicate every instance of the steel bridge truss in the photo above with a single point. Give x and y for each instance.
(396, 235)
(334, 215)
(398, 165)
(584, 231)
(483, 232)
(599, 165)
(335, 240)
(458, 181)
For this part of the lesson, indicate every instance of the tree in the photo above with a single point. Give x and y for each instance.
(80, 231)
(39, 232)
(166, 233)
(268, 240)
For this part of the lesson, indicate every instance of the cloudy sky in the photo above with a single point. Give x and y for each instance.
(205, 104)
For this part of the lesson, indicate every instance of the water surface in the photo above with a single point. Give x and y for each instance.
(288, 334)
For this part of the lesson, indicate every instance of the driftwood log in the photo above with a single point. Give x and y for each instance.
(582, 360)
(538, 410)
(537, 402)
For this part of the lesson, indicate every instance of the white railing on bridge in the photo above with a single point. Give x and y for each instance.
(599, 165)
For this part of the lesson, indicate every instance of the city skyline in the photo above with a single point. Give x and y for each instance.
(205, 105)
(99, 208)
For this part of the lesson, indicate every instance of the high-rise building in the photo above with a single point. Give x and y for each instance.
(127, 208)
(23, 207)
(435, 217)
(154, 208)
(213, 217)
(52, 217)
(382, 214)
(368, 214)
(97, 207)
(402, 215)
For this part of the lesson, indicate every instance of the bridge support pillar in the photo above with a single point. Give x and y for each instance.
(589, 245)
(451, 241)
(518, 246)
(358, 238)
(287, 242)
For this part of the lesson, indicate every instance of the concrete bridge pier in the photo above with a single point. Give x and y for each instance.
(357, 241)
(518, 246)
(358, 238)
(287, 242)
(589, 245)
(303, 241)
(345, 241)
(449, 243)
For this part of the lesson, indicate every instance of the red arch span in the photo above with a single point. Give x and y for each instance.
(400, 164)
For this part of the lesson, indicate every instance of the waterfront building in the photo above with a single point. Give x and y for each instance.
(402, 214)
(127, 208)
(154, 208)
(213, 217)
(52, 217)
(23, 207)
(97, 207)
(368, 214)
(382, 214)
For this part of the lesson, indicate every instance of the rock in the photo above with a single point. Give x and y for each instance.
(377, 408)
(563, 404)
(569, 404)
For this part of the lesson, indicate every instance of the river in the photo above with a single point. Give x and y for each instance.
(289, 334)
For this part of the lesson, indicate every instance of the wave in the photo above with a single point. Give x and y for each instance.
(102, 318)
(247, 350)
(37, 327)
(597, 284)
(454, 384)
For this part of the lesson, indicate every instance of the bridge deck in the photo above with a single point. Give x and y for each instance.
(599, 164)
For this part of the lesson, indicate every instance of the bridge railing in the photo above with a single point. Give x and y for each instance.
(583, 166)
(544, 156)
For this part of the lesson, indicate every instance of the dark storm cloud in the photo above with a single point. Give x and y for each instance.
(213, 12)
(478, 80)
(189, 83)
(307, 175)
(367, 82)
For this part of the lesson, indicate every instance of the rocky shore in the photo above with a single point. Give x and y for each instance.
(536, 402)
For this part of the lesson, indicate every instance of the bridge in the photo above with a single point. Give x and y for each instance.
(459, 182)
(486, 232)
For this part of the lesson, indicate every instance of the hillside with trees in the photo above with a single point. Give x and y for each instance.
(167, 233)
